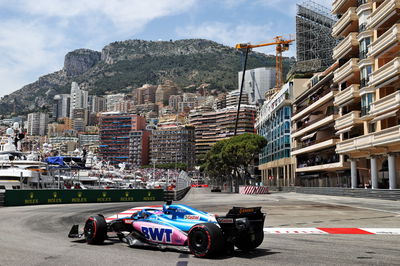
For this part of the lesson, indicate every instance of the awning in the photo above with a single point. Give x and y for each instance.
(384, 116)
(344, 130)
(308, 136)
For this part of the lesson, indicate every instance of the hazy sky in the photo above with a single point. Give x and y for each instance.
(35, 35)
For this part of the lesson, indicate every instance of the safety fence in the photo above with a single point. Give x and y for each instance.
(253, 190)
(55, 196)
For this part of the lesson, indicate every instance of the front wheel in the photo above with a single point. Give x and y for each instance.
(205, 240)
(95, 230)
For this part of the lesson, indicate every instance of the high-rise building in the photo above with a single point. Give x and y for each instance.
(61, 106)
(174, 100)
(146, 94)
(173, 144)
(123, 138)
(96, 104)
(164, 91)
(212, 126)
(256, 83)
(369, 97)
(79, 98)
(37, 124)
(313, 134)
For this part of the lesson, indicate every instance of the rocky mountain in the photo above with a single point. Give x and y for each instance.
(123, 66)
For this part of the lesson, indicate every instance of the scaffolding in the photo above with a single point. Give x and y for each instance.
(313, 37)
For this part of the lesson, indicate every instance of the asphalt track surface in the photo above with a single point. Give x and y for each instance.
(37, 235)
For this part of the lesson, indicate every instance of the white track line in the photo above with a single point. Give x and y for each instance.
(320, 231)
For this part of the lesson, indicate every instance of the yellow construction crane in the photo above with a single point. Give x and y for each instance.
(281, 46)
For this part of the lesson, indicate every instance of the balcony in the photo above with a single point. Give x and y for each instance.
(386, 43)
(314, 105)
(314, 146)
(323, 167)
(384, 14)
(386, 104)
(348, 120)
(346, 46)
(347, 95)
(367, 143)
(386, 74)
(313, 125)
(346, 71)
(346, 24)
(341, 6)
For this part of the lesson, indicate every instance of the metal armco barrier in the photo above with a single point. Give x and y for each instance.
(176, 194)
(54, 196)
(253, 190)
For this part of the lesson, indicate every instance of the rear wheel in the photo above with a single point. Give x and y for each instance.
(205, 240)
(95, 230)
(247, 242)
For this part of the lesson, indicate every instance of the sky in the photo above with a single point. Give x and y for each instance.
(35, 35)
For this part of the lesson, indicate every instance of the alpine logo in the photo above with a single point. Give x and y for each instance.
(157, 234)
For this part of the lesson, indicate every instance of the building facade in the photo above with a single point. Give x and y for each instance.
(369, 96)
(173, 144)
(117, 139)
(79, 98)
(212, 126)
(313, 135)
(61, 106)
(37, 124)
(256, 82)
(273, 123)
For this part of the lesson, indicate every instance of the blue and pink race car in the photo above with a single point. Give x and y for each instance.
(178, 226)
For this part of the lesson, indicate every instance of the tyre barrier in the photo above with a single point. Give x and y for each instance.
(57, 196)
(253, 190)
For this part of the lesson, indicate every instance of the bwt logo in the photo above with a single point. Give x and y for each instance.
(157, 234)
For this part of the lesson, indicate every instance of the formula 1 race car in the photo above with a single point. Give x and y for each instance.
(178, 226)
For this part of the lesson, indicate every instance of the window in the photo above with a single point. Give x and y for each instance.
(366, 101)
(364, 47)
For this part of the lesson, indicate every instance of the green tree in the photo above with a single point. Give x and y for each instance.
(232, 159)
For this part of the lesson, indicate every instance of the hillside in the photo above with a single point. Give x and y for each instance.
(122, 66)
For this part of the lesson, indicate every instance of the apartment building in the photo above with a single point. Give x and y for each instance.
(256, 83)
(119, 142)
(37, 124)
(369, 95)
(313, 135)
(173, 144)
(212, 126)
(79, 98)
(273, 123)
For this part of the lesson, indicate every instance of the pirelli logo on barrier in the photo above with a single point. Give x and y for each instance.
(58, 196)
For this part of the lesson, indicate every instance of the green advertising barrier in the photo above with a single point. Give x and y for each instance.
(56, 196)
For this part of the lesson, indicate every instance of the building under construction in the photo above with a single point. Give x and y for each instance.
(314, 42)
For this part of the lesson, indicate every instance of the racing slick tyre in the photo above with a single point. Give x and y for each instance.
(205, 240)
(95, 230)
(247, 242)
